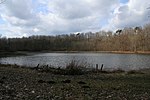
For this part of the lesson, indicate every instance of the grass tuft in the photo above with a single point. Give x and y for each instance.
(74, 68)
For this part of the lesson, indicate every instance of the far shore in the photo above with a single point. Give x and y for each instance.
(115, 52)
(25, 53)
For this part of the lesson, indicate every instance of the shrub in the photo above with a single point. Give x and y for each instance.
(74, 68)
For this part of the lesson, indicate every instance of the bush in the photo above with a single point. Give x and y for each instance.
(74, 68)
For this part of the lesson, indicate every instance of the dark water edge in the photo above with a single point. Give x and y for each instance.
(23, 53)
(11, 54)
(115, 52)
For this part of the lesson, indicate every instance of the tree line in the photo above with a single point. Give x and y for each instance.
(127, 39)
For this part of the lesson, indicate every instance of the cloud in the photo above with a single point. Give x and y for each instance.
(44, 17)
(132, 14)
(71, 9)
(21, 9)
(74, 9)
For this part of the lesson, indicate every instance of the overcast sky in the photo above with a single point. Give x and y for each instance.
(52, 17)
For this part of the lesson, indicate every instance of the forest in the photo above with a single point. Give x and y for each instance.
(127, 39)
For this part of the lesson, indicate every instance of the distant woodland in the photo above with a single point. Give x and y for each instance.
(127, 39)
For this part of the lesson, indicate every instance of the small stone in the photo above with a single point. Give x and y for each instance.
(38, 96)
(26, 89)
(109, 96)
(7, 86)
(66, 81)
(33, 91)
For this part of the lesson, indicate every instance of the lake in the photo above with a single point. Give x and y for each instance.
(110, 61)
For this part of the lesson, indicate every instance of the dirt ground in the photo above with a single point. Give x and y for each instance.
(27, 84)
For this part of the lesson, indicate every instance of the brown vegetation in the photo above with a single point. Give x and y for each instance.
(127, 40)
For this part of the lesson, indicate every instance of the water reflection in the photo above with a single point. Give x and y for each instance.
(110, 61)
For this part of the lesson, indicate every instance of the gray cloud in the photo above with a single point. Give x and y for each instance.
(21, 9)
(132, 14)
(74, 9)
(46, 17)
(57, 17)
(71, 9)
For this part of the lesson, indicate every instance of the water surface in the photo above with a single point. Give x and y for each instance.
(110, 61)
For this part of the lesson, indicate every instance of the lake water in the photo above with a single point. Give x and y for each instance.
(110, 61)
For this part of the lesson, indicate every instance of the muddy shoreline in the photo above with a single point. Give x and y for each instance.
(20, 83)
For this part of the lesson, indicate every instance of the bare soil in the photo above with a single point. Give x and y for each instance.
(18, 83)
